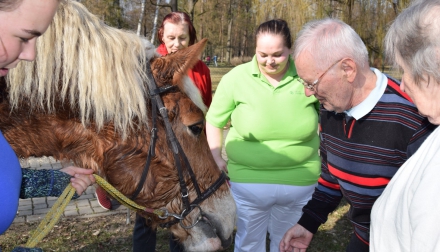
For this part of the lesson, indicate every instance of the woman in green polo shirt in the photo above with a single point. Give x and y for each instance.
(272, 144)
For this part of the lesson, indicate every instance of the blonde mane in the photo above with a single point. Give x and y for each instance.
(96, 69)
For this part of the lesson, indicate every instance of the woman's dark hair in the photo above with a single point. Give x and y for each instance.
(176, 18)
(276, 27)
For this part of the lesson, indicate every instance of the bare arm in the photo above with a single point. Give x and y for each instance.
(215, 139)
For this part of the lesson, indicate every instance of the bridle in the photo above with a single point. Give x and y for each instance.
(180, 158)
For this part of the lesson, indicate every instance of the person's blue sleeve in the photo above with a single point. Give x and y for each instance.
(10, 180)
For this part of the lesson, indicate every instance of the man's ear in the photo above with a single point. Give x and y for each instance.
(350, 69)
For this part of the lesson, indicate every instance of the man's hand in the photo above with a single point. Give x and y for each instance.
(296, 239)
(82, 178)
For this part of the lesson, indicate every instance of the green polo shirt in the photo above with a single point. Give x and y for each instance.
(273, 136)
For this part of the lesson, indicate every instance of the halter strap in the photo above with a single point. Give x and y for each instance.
(180, 159)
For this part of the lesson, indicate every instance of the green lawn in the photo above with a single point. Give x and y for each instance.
(216, 75)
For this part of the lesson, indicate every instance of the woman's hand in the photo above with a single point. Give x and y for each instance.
(221, 163)
(82, 178)
(214, 135)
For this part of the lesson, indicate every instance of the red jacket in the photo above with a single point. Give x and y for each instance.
(200, 75)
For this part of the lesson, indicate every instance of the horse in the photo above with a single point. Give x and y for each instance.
(104, 99)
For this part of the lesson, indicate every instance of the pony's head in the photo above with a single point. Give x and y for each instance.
(89, 94)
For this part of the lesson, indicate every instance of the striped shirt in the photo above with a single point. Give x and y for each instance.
(359, 157)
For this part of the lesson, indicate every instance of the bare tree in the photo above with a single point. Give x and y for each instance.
(190, 10)
(228, 43)
(156, 17)
(229, 25)
(349, 16)
(202, 5)
(141, 17)
(395, 3)
(246, 15)
(173, 5)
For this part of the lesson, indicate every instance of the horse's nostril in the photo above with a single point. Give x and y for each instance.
(226, 242)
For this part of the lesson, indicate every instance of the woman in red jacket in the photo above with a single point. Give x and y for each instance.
(177, 32)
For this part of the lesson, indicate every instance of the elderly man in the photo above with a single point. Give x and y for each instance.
(369, 128)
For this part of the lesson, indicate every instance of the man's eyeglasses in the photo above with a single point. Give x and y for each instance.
(312, 86)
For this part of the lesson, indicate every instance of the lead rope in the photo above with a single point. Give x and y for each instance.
(57, 209)
(51, 217)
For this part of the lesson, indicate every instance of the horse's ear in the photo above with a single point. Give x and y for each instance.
(185, 59)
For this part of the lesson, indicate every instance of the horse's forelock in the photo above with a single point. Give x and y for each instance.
(193, 93)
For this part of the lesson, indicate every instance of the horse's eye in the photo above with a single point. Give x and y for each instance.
(196, 129)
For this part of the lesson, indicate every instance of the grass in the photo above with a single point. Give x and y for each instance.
(217, 73)
(111, 234)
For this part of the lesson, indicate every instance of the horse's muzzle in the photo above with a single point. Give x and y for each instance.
(213, 229)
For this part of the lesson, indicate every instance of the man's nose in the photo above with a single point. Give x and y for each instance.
(308, 92)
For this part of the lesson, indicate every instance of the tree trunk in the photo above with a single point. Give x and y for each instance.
(222, 51)
(243, 43)
(156, 16)
(117, 8)
(395, 3)
(191, 4)
(202, 21)
(350, 4)
(228, 43)
(247, 7)
(141, 18)
(173, 4)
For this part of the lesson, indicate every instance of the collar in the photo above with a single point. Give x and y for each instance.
(162, 50)
(370, 102)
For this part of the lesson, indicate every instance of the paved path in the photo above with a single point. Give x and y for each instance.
(35, 209)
